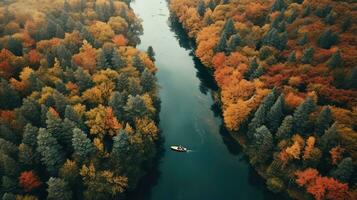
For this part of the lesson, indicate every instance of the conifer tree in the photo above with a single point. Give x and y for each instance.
(201, 8)
(276, 114)
(151, 53)
(329, 139)
(148, 81)
(278, 5)
(344, 170)
(117, 61)
(327, 39)
(323, 121)
(51, 152)
(301, 116)
(58, 189)
(335, 60)
(263, 143)
(286, 128)
(82, 145)
(253, 65)
(117, 102)
(138, 64)
(307, 55)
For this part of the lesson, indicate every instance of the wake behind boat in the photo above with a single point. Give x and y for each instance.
(179, 148)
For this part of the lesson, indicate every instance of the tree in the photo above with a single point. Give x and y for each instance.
(335, 60)
(301, 115)
(229, 28)
(15, 46)
(351, 81)
(74, 117)
(275, 39)
(253, 65)
(138, 63)
(30, 136)
(327, 39)
(82, 145)
(302, 41)
(201, 8)
(58, 189)
(148, 81)
(117, 102)
(233, 42)
(29, 180)
(121, 150)
(102, 62)
(83, 79)
(151, 53)
(235, 114)
(323, 121)
(263, 143)
(8, 196)
(260, 115)
(135, 107)
(57, 128)
(275, 114)
(51, 152)
(117, 60)
(330, 138)
(292, 57)
(222, 43)
(308, 55)
(344, 170)
(9, 98)
(278, 5)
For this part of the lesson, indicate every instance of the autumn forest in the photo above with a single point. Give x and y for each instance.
(93, 93)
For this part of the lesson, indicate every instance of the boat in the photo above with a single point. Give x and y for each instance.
(179, 148)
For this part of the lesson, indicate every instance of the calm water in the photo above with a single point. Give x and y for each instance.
(214, 168)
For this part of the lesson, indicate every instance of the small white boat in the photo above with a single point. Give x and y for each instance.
(179, 148)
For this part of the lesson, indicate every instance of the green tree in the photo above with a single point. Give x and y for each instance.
(82, 145)
(306, 12)
(263, 144)
(253, 65)
(308, 55)
(278, 5)
(323, 121)
(286, 128)
(118, 61)
(351, 80)
(8, 196)
(51, 152)
(121, 150)
(135, 107)
(275, 39)
(15, 46)
(201, 8)
(102, 61)
(83, 79)
(233, 42)
(74, 117)
(30, 136)
(261, 113)
(327, 39)
(148, 81)
(292, 57)
(276, 114)
(329, 139)
(138, 64)
(222, 43)
(9, 97)
(344, 170)
(134, 86)
(151, 53)
(302, 41)
(122, 82)
(117, 102)
(229, 28)
(301, 116)
(335, 60)
(58, 189)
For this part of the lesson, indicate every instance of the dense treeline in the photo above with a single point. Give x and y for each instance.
(287, 75)
(78, 102)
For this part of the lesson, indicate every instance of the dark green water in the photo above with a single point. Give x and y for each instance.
(214, 168)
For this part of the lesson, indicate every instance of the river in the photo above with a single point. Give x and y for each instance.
(214, 168)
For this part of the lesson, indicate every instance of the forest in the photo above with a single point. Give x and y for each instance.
(78, 102)
(287, 77)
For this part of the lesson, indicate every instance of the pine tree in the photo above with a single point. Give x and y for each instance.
(302, 41)
(278, 5)
(117, 60)
(275, 39)
(286, 128)
(135, 107)
(51, 152)
(117, 102)
(292, 57)
(253, 65)
(222, 43)
(201, 8)
(83, 79)
(307, 10)
(138, 64)
(335, 60)
(344, 170)
(121, 149)
(8, 196)
(31, 110)
(102, 61)
(122, 82)
(323, 121)
(229, 28)
(301, 116)
(276, 114)
(151, 53)
(257, 73)
(346, 24)
(58, 189)
(15, 46)
(9, 97)
(30, 136)
(307, 55)
(323, 12)
(263, 143)
(82, 145)
(261, 113)
(329, 139)
(292, 17)
(148, 81)
(351, 81)
(327, 39)
(74, 117)
(233, 42)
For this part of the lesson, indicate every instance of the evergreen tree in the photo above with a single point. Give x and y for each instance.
(292, 17)
(261, 113)
(329, 139)
(292, 57)
(330, 18)
(117, 102)
(134, 87)
(148, 81)
(335, 60)
(257, 73)
(278, 5)
(307, 10)
(351, 81)
(263, 143)
(15, 46)
(308, 55)
(102, 61)
(74, 117)
(9, 97)
(323, 121)
(151, 53)
(59, 31)
(138, 64)
(122, 82)
(87, 35)
(121, 150)
(82, 145)
(276, 114)
(31, 110)
(211, 5)
(51, 152)
(253, 66)
(30, 136)
(346, 24)
(323, 11)
(301, 116)
(201, 8)
(233, 42)
(117, 60)
(302, 41)
(344, 170)
(286, 128)
(135, 107)
(229, 28)
(58, 189)
(8, 196)
(83, 79)
(275, 39)
(327, 39)
(222, 43)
